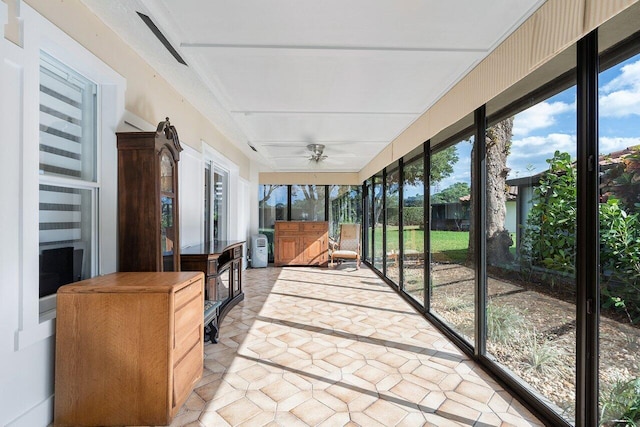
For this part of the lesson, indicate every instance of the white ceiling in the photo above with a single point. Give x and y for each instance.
(281, 74)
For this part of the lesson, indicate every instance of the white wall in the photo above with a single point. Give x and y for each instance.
(26, 339)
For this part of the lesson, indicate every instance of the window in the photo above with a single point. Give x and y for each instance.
(530, 246)
(68, 197)
(452, 278)
(377, 219)
(413, 229)
(272, 207)
(369, 218)
(619, 211)
(307, 203)
(392, 224)
(345, 206)
(216, 202)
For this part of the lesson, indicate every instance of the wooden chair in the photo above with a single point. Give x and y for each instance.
(349, 244)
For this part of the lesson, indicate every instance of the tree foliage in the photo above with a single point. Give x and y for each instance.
(452, 193)
(442, 164)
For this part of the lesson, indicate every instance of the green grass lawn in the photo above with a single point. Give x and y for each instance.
(449, 246)
(446, 246)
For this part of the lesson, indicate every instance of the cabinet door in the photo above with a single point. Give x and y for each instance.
(287, 250)
(313, 250)
(237, 277)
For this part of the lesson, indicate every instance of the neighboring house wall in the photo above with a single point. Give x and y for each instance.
(27, 340)
(510, 222)
(523, 206)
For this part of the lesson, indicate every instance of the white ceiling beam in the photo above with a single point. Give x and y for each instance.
(340, 113)
(329, 47)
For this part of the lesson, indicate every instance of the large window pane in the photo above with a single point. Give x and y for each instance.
(452, 275)
(413, 229)
(619, 141)
(220, 200)
(392, 227)
(272, 207)
(307, 203)
(530, 241)
(345, 206)
(377, 221)
(369, 213)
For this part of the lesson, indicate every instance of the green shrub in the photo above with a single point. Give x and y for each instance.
(620, 259)
(541, 355)
(621, 404)
(549, 239)
(503, 323)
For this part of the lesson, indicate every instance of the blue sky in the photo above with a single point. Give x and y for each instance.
(551, 125)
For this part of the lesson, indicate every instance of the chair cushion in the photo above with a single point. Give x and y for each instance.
(345, 254)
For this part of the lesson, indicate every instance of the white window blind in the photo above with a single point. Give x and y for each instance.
(67, 123)
(61, 215)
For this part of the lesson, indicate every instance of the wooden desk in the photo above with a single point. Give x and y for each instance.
(129, 348)
(221, 262)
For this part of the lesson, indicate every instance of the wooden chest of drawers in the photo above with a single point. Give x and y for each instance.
(129, 348)
(301, 243)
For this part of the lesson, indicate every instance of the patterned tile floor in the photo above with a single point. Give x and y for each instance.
(338, 347)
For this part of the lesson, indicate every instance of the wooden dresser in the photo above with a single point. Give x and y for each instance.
(301, 243)
(129, 348)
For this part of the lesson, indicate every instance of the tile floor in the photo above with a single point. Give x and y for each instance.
(338, 347)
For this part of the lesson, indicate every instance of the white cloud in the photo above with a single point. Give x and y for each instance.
(529, 155)
(538, 145)
(622, 94)
(539, 116)
(609, 145)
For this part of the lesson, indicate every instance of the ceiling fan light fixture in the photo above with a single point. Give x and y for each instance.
(316, 152)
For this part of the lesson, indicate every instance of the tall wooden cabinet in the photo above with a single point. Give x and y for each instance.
(301, 243)
(148, 227)
(129, 348)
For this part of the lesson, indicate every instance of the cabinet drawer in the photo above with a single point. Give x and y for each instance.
(314, 226)
(288, 226)
(185, 342)
(187, 319)
(186, 373)
(188, 293)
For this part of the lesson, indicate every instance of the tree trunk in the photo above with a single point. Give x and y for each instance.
(499, 240)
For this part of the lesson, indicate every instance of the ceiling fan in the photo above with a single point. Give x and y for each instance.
(316, 152)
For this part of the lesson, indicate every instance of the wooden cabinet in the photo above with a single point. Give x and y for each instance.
(221, 262)
(301, 243)
(148, 226)
(129, 348)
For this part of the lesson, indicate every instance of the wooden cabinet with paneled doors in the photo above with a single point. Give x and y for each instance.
(148, 224)
(129, 348)
(301, 243)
